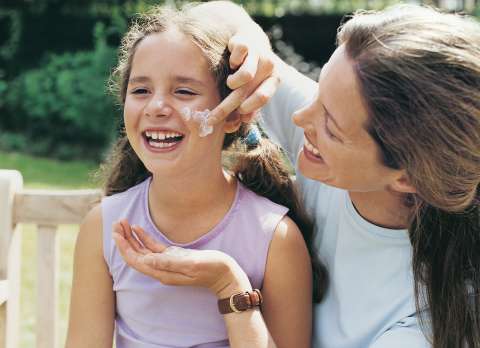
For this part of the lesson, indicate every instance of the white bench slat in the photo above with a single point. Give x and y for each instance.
(3, 291)
(53, 207)
(47, 290)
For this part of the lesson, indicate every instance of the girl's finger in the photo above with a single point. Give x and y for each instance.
(135, 244)
(149, 243)
(261, 96)
(126, 251)
(118, 228)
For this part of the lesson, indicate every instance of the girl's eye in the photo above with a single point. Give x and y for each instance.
(139, 91)
(185, 92)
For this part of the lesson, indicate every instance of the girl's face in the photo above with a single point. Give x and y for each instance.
(169, 73)
(338, 149)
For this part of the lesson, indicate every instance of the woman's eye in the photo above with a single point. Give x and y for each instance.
(330, 134)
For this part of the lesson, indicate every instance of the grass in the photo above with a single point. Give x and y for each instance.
(46, 174)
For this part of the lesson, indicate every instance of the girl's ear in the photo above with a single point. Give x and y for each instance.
(232, 123)
(403, 184)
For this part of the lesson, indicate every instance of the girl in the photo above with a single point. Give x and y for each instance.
(166, 176)
(389, 163)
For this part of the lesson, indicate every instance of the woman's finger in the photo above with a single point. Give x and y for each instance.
(149, 243)
(238, 51)
(227, 106)
(261, 96)
(245, 73)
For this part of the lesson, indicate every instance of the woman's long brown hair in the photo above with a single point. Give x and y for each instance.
(419, 71)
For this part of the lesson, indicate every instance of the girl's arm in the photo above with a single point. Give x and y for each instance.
(287, 288)
(92, 306)
(205, 268)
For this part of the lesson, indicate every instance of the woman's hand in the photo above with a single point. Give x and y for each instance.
(255, 80)
(172, 265)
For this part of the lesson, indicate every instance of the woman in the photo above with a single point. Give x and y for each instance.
(389, 166)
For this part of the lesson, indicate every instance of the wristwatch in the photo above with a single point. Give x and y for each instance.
(240, 302)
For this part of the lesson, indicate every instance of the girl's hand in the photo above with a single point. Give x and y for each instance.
(211, 269)
(255, 81)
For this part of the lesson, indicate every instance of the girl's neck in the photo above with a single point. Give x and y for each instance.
(185, 207)
(382, 208)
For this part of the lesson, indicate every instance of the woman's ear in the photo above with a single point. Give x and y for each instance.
(402, 183)
(232, 122)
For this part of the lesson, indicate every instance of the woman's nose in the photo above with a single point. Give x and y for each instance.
(158, 107)
(302, 116)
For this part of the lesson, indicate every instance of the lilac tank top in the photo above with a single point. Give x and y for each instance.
(152, 315)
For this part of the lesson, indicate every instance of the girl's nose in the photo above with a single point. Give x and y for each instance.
(158, 108)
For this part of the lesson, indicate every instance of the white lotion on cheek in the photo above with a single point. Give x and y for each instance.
(201, 117)
(186, 112)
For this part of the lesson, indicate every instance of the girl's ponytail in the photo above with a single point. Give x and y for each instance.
(258, 164)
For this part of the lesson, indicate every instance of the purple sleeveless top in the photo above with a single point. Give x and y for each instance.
(152, 315)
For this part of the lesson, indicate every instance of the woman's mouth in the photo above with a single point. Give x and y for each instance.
(311, 152)
(162, 140)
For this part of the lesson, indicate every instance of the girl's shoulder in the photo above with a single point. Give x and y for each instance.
(249, 198)
(131, 192)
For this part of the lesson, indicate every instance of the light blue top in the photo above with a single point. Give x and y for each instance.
(152, 315)
(370, 301)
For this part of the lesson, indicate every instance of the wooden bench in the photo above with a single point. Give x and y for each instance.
(46, 209)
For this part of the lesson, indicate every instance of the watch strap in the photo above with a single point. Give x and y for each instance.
(240, 302)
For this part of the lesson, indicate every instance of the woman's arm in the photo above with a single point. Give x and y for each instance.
(287, 288)
(92, 304)
(259, 73)
(211, 269)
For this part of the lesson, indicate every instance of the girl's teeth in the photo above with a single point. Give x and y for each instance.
(160, 145)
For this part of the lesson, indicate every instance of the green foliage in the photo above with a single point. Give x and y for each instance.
(8, 49)
(62, 108)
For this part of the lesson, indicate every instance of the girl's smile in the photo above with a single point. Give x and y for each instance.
(162, 139)
(170, 74)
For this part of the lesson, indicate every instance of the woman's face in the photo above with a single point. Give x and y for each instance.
(169, 73)
(338, 149)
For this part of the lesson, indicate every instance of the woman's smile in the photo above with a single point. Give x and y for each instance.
(311, 152)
